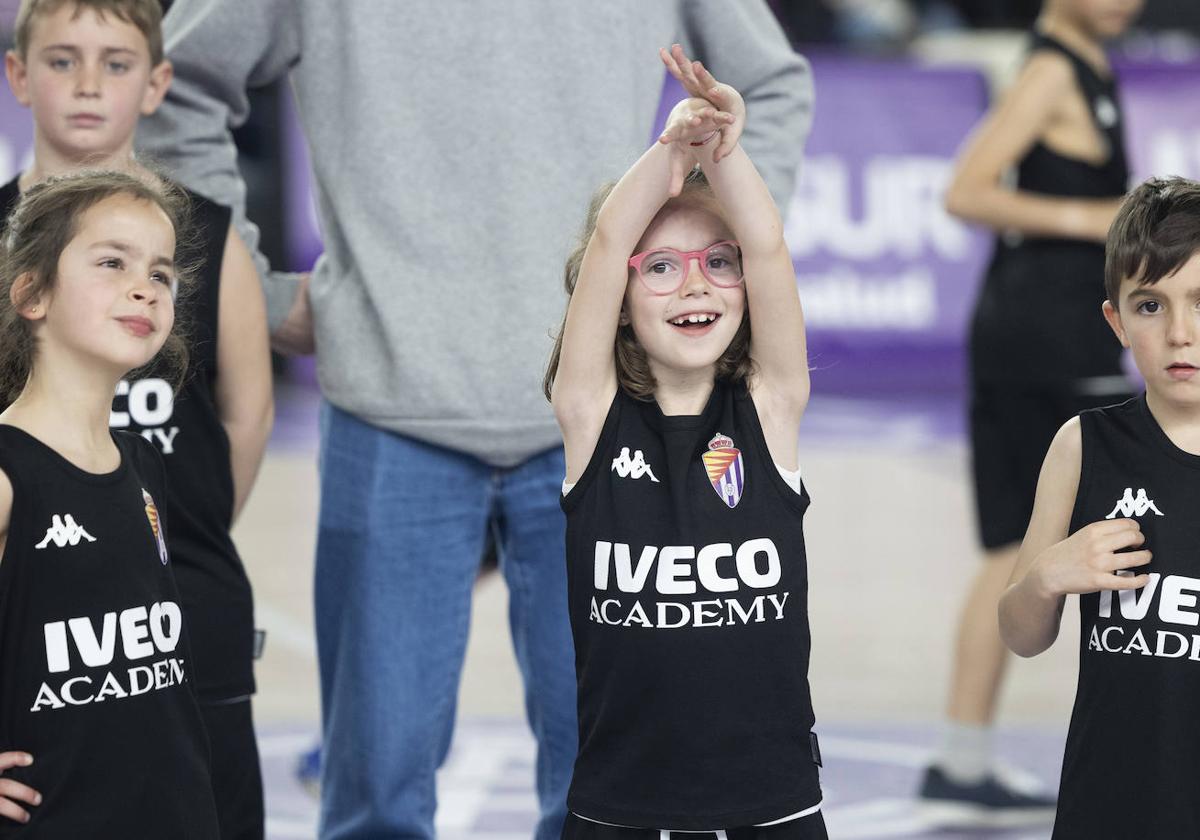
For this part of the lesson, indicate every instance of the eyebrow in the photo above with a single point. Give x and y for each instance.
(126, 248)
(71, 48)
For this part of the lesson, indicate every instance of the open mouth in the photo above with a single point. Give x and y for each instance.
(696, 322)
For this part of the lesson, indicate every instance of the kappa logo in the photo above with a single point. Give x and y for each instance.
(634, 467)
(64, 531)
(1130, 505)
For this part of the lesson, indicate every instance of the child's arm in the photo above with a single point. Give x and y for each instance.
(243, 382)
(1051, 565)
(12, 792)
(1005, 135)
(780, 383)
(586, 379)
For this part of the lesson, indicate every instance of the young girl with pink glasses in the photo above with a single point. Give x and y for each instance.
(679, 380)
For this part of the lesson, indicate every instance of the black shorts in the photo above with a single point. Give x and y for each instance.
(811, 827)
(236, 775)
(1011, 430)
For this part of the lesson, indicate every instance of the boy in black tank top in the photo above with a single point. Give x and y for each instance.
(1115, 522)
(211, 433)
(1039, 352)
(100, 731)
(686, 565)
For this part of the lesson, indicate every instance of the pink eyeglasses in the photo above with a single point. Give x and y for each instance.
(663, 270)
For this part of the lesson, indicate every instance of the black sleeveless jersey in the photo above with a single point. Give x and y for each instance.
(95, 674)
(1132, 763)
(187, 430)
(688, 590)
(1038, 317)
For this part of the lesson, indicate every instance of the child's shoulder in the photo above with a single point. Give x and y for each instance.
(142, 456)
(1046, 69)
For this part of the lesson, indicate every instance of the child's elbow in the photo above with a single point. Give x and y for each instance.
(956, 200)
(1017, 638)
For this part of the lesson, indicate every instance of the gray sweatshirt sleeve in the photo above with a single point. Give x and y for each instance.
(742, 44)
(219, 49)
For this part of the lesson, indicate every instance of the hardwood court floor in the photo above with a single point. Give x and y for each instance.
(891, 549)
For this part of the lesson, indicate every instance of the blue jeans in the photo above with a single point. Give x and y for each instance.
(402, 529)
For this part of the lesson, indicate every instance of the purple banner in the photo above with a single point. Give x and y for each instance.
(879, 261)
(1162, 118)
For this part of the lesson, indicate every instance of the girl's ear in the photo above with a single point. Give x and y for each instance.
(31, 307)
(623, 318)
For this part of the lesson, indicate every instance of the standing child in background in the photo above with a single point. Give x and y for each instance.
(1040, 353)
(1115, 522)
(87, 69)
(95, 669)
(685, 546)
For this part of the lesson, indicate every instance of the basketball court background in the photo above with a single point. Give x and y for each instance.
(887, 280)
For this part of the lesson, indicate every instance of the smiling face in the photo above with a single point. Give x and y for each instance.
(87, 77)
(1160, 323)
(688, 330)
(111, 301)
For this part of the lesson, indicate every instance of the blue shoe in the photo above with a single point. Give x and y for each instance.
(308, 771)
(989, 803)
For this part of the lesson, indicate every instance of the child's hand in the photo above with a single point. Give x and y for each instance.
(1087, 561)
(692, 122)
(699, 83)
(13, 792)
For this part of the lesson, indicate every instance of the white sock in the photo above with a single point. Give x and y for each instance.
(965, 754)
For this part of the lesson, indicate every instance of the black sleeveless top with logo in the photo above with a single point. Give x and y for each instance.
(1132, 763)
(688, 590)
(1038, 319)
(95, 672)
(187, 430)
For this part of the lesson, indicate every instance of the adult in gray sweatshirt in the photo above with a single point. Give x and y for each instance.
(454, 145)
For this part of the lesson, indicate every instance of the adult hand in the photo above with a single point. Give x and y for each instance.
(295, 336)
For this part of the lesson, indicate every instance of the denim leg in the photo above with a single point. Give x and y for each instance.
(533, 559)
(399, 539)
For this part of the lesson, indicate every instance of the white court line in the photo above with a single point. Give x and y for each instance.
(284, 829)
(286, 745)
(877, 752)
(293, 636)
(876, 818)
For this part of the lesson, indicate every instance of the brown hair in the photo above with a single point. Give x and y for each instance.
(633, 367)
(44, 222)
(146, 15)
(1155, 232)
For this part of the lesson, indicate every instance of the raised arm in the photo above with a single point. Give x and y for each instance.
(1052, 565)
(586, 378)
(977, 193)
(743, 45)
(220, 49)
(780, 383)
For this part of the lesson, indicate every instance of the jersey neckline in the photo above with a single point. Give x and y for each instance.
(1162, 438)
(111, 477)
